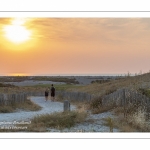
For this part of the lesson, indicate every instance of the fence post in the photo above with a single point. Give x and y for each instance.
(66, 105)
(124, 102)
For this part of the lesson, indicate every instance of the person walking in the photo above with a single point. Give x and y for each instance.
(52, 92)
(46, 94)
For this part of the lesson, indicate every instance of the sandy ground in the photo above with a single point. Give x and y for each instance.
(83, 80)
(24, 117)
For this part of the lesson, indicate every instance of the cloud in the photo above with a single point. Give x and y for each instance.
(4, 21)
(99, 44)
(65, 28)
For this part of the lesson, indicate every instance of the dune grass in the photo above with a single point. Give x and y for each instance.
(59, 87)
(134, 121)
(57, 120)
(27, 105)
(109, 122)
(56, 79)
(134, 82)
(39, 78)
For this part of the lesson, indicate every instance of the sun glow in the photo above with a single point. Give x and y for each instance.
(17, 32)
(18, 74)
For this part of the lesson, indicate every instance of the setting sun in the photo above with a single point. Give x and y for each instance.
(17, 32)
(56, 46)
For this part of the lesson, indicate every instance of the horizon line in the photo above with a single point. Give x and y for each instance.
(123, 74)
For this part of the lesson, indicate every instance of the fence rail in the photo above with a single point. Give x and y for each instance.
(121, 97)
(7, 99)
(131, 100)
(77, 96)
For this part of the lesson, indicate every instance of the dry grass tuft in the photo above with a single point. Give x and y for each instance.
(27, 105)
(134, 121)
(96, 105)
(57, 120)
(6, 109)
(109, 122)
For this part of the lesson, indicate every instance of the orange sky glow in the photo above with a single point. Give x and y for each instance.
(58, 46)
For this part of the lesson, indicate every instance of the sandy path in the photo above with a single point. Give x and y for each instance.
(47, 108)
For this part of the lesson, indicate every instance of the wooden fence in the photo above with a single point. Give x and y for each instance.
(8, 99)
(131, 100)
(125, 96)
(77, 96)
(121, 97)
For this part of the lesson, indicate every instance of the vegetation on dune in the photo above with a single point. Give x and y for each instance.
(101, 81)
(13, 78)
(59, 120)
(56, 79)
(27, 105)
(109, 122)
(39, 78)
(135, 121)
(134, 82)
(6, 85)
(96, 106)
(145, 91)
(59, 87)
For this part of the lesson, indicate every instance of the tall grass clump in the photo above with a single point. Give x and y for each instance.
(26, 105)
(109, 122)
(6, 109)
(96, 106)
(58, 120)
(134, 120)
(137, 119)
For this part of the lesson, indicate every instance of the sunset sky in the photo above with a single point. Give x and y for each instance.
(58, 46)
